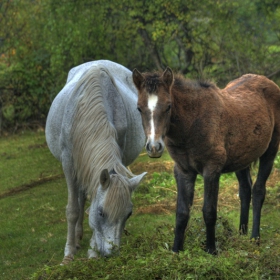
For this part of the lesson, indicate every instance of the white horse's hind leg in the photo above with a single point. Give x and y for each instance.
(72, 212)
(79, 224)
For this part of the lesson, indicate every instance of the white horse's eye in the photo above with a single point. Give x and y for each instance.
(101, 213)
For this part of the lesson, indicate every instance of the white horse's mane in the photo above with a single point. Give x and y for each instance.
(94, 140)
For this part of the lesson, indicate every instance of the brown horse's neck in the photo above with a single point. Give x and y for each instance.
(190, 101)
(184, 99)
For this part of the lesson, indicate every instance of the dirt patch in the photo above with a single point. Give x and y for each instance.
(37, 146)
(151, 167)
(30, 185)
(159, 208)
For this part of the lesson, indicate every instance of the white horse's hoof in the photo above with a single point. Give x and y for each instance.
(92, 254)
(67, 260)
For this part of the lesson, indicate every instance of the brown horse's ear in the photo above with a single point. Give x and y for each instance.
(168, 76)
(138, 78)
(105, 179)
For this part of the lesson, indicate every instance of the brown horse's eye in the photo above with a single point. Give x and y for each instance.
(168, 108)
(139, 109)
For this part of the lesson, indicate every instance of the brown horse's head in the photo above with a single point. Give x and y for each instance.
(154, 104)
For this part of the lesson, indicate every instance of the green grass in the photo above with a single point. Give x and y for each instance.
(24, 158)
(33, 225)
(33, 221)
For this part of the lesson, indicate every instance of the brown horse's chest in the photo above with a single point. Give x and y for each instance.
(186, 158)
(192, 145)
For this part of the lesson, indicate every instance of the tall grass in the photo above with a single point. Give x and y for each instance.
(33, 225)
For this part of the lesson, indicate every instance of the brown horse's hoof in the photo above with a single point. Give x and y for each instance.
(66, 260)
(256, 240)
(243, 229)
(211, 252)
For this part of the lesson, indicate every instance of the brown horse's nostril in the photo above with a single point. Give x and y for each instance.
(148, 147)
(159, 147)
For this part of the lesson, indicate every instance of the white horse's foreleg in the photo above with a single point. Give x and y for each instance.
(79, 224)
(92, 253)
(72, 213)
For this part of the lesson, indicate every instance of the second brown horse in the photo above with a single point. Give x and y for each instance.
(210, 131)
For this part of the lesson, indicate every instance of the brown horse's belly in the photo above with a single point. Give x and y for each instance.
(245, 152)
(232, 167)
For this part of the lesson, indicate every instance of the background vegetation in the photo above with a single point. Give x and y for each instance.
(41, 40)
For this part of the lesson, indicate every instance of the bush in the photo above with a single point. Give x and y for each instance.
(25, 92)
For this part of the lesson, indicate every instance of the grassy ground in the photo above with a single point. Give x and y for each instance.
(33, 196)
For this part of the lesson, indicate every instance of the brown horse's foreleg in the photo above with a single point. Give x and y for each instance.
(245, 185)
(211, 189)
(185, 188)
(265, 167)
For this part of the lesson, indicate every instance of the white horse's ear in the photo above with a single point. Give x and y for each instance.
(138, 78)
(168, 77)
(105, 179)
(135, 181)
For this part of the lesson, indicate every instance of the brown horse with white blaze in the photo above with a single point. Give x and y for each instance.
(210, 131)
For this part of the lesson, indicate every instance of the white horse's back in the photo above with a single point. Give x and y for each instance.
(116, 80)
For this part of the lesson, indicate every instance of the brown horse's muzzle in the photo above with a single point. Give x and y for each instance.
(155, 148)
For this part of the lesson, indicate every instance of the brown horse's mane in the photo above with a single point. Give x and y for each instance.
(154, 80)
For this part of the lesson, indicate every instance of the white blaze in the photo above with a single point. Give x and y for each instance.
(152, 103)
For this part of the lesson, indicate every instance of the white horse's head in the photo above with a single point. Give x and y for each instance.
(109, 212)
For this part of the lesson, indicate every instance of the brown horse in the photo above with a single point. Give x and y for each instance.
(210, 131)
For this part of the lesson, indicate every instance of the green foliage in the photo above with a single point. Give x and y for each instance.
(42, 40)
(25, 99)
(24, 75)
(160, 187)
(277, 162)
(147, 255)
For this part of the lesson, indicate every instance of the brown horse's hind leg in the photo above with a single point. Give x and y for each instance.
(265, 167)
(245, 185)
(185, 188)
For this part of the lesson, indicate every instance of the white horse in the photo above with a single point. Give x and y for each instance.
(94, 129)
